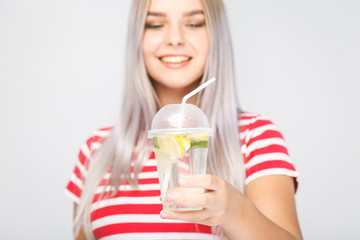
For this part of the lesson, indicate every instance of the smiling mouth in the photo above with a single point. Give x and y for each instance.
(174, 59)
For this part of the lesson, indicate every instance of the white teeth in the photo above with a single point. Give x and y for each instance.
(175, 59)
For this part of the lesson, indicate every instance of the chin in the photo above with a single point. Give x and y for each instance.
(178, 82)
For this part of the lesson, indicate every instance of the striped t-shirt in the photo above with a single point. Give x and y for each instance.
(134, 213)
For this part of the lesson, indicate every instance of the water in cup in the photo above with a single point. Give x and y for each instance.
(178, 156)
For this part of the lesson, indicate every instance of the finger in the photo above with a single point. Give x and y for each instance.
(186, 200)
(207, 181)
(191, 216)
(190, 197)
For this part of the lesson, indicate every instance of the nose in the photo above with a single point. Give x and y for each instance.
(174, 36)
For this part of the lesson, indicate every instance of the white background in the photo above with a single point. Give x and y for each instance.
(61, 69)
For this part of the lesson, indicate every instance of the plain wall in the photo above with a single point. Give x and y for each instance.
(61, 71)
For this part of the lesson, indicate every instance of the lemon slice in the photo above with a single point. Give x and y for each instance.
(171, 145)
(195, 136)
(183, 143)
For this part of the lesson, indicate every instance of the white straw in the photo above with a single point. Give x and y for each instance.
(198, 89)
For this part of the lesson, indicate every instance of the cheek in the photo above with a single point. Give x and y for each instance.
(205, 49)
(146, 46)
(205, 44)
(201, 43)
(150, 43)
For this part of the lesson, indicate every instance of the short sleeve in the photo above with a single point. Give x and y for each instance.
(75, 185)
(264, 149)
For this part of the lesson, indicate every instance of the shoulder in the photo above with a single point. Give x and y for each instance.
(257, 130)
(251, 120)
(75, 185)
(263, 147)
(253, 125)
(99, 136)
(93, 143)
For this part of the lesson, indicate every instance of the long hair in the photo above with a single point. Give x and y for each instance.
(140, 103)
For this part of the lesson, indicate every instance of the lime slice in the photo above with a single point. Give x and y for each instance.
(199, 144)
(156, 143)
(198, 140)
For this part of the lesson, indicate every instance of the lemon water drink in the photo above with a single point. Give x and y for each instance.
(178, 156)
(180, 133)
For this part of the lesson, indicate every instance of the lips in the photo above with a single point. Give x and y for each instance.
(175, 61)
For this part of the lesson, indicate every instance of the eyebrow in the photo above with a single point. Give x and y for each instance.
(186, 14)
(194, 12)
(156, 14)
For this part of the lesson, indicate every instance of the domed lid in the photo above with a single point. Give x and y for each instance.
(179, 119)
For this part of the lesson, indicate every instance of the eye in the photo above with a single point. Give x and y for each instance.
(153, 26)
(196, 25)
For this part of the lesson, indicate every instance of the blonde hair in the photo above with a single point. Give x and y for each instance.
(140, 104)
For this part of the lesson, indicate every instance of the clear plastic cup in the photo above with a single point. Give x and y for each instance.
(180, 133)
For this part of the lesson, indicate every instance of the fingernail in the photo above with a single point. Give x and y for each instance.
(182, 181)
(164, 214)
(171, 197)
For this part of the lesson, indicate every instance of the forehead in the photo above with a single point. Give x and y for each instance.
(175, 6)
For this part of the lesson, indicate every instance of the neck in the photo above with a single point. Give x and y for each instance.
(175, 96)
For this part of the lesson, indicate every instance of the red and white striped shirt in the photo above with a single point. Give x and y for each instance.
(134, 213)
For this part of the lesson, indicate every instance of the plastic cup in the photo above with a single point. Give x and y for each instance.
(180, 133)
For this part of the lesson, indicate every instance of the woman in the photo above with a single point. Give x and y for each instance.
(173, 46)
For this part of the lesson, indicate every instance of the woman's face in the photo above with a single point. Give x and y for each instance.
(175, 43)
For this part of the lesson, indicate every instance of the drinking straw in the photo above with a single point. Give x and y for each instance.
(198, 89)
